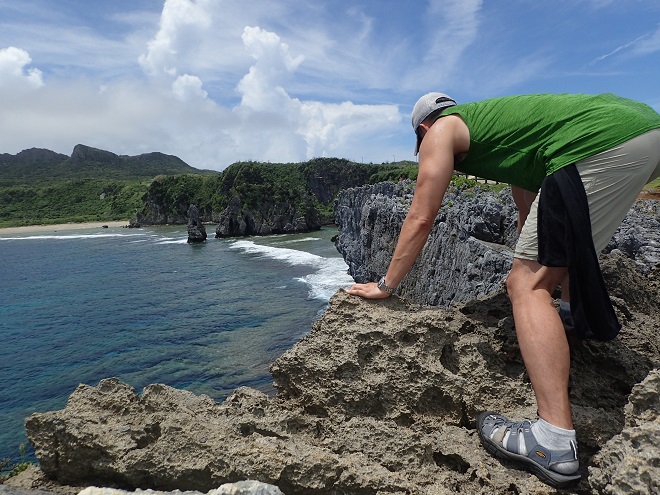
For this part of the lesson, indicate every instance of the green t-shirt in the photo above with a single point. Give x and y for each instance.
(521, 139)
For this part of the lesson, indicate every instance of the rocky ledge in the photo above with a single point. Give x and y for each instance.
(379, 398)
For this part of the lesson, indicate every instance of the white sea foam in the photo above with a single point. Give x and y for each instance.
(328, 279)
(291, 256)
(65, 237)
(328, 275)
(182, 240)
(304, 239)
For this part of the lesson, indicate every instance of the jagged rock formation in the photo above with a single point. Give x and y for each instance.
(153, 214)
(196, 229)
(251, 198)
(265, 199)
(469, 251)
(278, 218)
(628, 463)
(638, 236)
(379, 398)
(169, 198)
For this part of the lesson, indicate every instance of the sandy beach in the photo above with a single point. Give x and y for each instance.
(62, 226)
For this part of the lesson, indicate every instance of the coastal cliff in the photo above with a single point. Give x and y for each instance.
(266, 199)
(467, 255)
(380, 397)
(470, 249)
(252, 198)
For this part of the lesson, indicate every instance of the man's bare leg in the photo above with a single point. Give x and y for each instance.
(541, 337)
(547, 446)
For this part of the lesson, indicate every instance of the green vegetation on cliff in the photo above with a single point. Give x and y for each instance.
(39, 165)
(39, 186)
(70, 200)
(260, 187)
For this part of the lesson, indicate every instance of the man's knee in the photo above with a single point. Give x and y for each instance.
(515, 281)
(526, 276)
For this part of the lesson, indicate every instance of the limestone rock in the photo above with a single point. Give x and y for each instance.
(270, 218)
(638, 236)
(379, 398)
(470, 249)
(248, 487)
(9, 490)
(196, 229)
(20, 485)
(467, 255)
(630, 462)
(169, 439)
(32, 481)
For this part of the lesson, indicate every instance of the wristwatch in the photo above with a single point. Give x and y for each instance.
(384, 287)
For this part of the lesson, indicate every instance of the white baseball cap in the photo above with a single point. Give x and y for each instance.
(425, 106)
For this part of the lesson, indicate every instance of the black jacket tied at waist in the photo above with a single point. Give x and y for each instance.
(564, 230)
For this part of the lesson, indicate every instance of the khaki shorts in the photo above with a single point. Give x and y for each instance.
(612, 180)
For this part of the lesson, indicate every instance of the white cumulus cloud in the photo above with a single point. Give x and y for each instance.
(215, 93)
(13, 62)
(278, 127)
(261, 87)
(186, 87)
(333, 129)
(182, 25)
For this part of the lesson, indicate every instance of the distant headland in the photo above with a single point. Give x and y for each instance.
(42, 187)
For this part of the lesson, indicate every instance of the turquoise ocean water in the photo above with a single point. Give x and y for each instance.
(145, 306)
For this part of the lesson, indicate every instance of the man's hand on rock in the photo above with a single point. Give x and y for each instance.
(368, 291)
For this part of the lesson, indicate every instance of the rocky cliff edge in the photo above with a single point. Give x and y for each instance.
(379, 398)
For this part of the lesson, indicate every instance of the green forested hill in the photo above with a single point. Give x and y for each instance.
(39, 186)
(262, 189)
(35, 165)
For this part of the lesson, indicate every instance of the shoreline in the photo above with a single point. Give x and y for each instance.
(28, 229)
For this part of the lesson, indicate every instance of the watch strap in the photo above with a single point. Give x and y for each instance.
(384, 287)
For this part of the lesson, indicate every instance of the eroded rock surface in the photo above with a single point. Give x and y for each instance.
(467, 255)
(630, 461)
(196, 229)
(379, 398)
(470, 249)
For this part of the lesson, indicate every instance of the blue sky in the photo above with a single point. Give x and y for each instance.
(218, 81)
